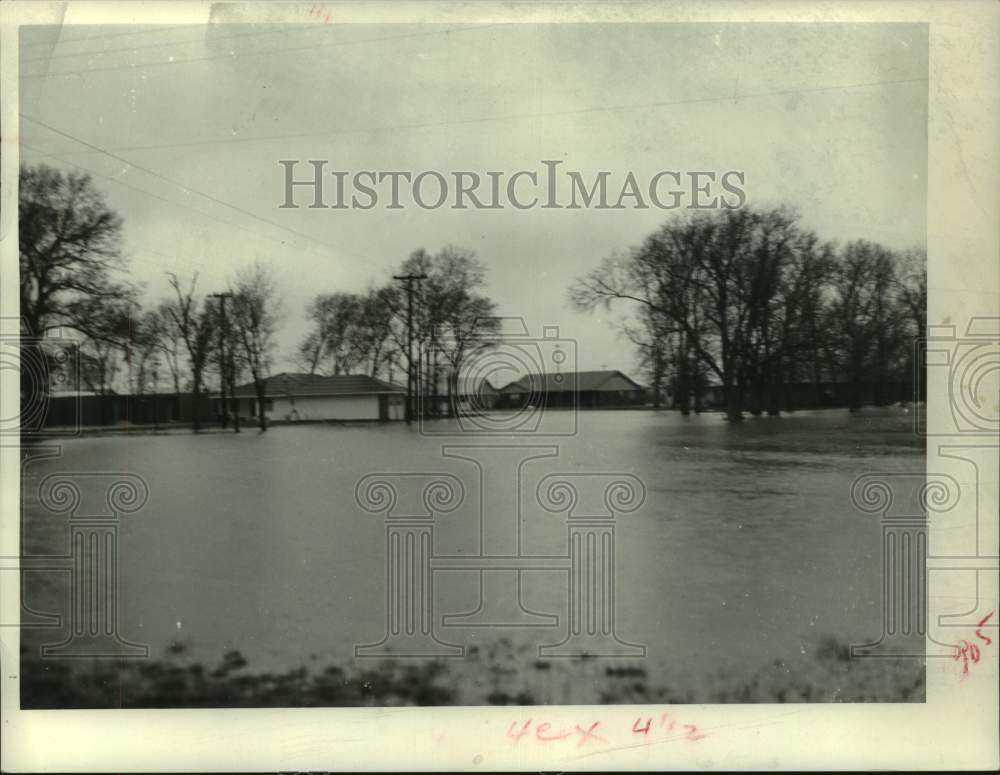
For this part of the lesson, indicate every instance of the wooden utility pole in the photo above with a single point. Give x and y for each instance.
(224, 372)
(412, 370)
(232, 391)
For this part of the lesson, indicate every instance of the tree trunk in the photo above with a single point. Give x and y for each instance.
(453, 394)
(854, 403)
(734, 406)
(196, 402)
(776, 392)
(684, 376)
(697, 385)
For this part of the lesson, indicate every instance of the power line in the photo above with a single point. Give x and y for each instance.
(518, 116)
(121, 182)
(186, 188)
(83, 38)
(266, 52)
(202, 39)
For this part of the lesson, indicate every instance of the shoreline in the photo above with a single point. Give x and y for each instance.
(249, 425)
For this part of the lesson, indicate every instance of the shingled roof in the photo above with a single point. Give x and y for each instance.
(291, 384)
(573, 381)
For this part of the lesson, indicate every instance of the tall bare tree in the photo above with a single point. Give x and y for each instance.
(330, 344)
(864, 317)
(256, 315)
(70, 246)
(719, 286)
(170, 342)
(196, 321)
(143, 348)
(69, 253)
(912, 294)
(452, 317)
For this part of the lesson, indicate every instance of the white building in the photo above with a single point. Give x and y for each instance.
(313, 397)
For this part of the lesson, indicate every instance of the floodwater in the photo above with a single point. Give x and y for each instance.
(746, 548)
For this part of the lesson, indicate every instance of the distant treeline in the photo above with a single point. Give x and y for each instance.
(73, 281)
(751, 301)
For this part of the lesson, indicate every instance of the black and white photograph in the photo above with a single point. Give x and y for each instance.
(464, 361)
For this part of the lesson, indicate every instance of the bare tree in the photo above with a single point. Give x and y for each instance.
(451, 316)
(143, 347)
(69, 250)
(256, 315)
(373, 329)
(652, 336)
(170, 342)
(719, 287)
(912, 295)
(196, 322)
(331, 345)
(864, 317)
(104, 341)
(69, 247)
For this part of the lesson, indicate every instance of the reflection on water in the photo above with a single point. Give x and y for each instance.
(746, 550)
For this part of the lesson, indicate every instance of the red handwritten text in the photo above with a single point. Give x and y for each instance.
(599, 733)
(970, 653)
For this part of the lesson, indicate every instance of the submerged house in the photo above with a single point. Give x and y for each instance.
(313, 397)
(584, 389)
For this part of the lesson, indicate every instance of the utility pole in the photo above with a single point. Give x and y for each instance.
(232, 392)
(409, 279)
(156, 396)
(223, 370)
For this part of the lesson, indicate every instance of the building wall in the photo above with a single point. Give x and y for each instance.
(615, 383)
(583, 399)
(325, 408)
(82, 411)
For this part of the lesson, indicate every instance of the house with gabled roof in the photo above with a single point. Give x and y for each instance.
(583, 389)
(292, 397)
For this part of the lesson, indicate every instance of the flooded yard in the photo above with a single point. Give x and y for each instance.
(746, 555)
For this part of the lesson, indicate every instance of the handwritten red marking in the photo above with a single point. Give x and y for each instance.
(597, 732)
(966, 652)
(589, 734)
(693, 732)
(541, 732)
(969, 652)
(982, 623)
(524, 730)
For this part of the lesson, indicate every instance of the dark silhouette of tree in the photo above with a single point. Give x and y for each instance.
(863, 317)
(452, 318)
(70, 246)
(911, 277)
(758, 302)
(256, 314)
(170, 342)
(196, 321)
(330, 346)
(69, 252)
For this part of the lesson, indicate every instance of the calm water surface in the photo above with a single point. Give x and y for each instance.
(747, 548)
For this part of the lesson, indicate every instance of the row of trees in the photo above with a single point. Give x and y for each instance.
(748, 299)
(755, 302)
(70, 262)
(447, 314)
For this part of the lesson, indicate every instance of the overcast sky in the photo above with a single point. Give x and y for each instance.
(830, 119)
